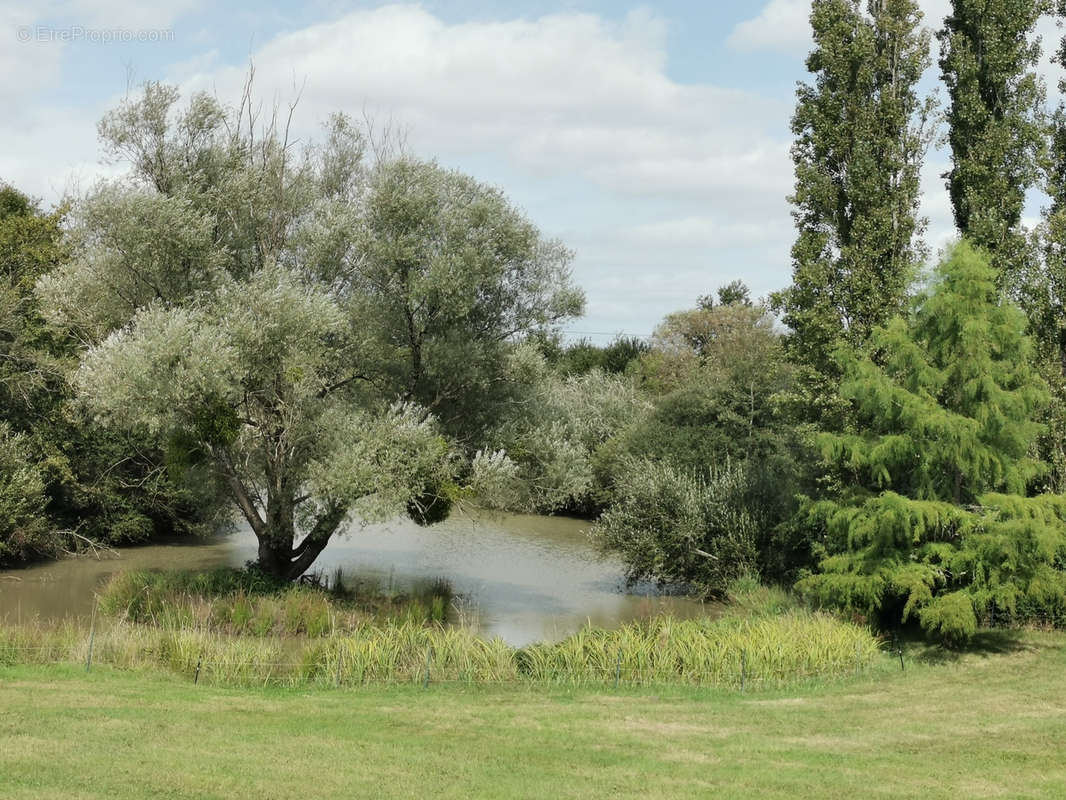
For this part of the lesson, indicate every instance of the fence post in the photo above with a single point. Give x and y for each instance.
(899, 651)
(92, 637)
(618, 669)
(429, 661)
(199, 663)
(743, 670)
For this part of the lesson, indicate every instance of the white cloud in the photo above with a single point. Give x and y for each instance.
(26, 65)
(574, 98)
(565, 94)
(49, 151)
(784, 26)
(781, 25)
(704, 233)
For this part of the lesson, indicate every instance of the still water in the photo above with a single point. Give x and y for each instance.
(523, 578)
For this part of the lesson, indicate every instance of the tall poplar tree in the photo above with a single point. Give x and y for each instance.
(861, 135)
(1047, 305)
(932, 519)
(995, 124)
(1042, 292)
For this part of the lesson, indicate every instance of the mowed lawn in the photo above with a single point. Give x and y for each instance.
(990, 723)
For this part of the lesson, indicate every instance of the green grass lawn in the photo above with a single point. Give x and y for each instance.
(987, 723)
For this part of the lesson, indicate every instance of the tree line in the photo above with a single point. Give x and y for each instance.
(897, 452)
(302, 334)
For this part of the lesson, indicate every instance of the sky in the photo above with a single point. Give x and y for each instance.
(653, 139)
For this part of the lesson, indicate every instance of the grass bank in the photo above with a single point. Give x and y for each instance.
(987, 723)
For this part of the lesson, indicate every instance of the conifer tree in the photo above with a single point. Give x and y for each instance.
(861, 136)
(933, 520)
(995, 124)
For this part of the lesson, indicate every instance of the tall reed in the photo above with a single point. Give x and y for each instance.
(792, 647)
(241, 602)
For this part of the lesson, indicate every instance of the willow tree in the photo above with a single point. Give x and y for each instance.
(861, 135)
(933, 519)
(988, 59)
(448, 274)
(227, 294)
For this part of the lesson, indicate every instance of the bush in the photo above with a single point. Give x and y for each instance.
(25, 531)
(672, 526)
(543, 457)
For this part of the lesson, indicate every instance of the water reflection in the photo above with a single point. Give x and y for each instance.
(524, 578)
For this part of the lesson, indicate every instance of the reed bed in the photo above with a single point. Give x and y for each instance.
(766, 651)
(244, 602)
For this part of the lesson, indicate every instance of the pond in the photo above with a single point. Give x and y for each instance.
(523, 578)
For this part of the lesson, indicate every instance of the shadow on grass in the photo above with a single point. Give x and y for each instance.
(991, 642)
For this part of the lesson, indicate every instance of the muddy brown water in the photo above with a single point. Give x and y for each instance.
(523, 578)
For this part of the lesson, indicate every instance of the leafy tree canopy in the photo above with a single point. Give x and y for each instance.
(294, 321)
(861, 132)
(996, 129)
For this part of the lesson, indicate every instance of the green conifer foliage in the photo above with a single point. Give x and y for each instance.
(933, 514)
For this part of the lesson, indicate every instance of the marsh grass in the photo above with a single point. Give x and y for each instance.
(762, 651)
(747, 596)
(767, 650)
(246, 602)
(242, 629)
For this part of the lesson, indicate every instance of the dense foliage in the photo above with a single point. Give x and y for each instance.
(698, 487)
(301, 327)
(68, 483)
(988, 59)
(932, 516)
(861, 133)
(551, 451)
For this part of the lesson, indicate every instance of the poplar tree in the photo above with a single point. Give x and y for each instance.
(995, 123)
(932, 519)
(1043, 294)
(861, 135)
(1047, 301)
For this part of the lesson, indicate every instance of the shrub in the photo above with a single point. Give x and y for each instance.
(674, 527)
(24, 530)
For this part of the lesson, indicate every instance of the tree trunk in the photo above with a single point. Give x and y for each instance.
(274, 560)
(281, 557)
(275, 528)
